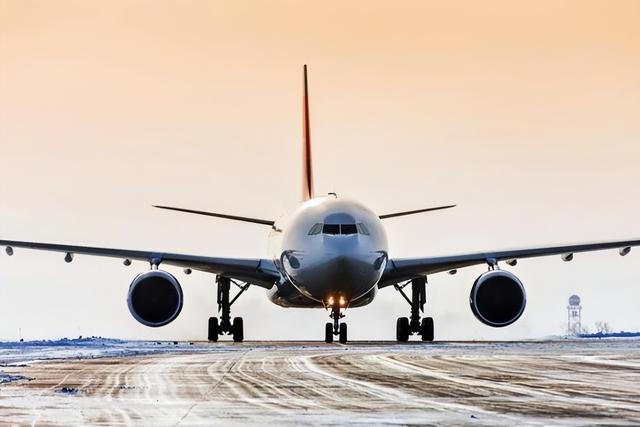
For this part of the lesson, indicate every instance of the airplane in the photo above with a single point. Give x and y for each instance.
(332, 254)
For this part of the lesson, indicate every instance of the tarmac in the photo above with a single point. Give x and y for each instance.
(293, 383)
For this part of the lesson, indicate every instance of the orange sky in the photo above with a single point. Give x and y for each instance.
(526, 114)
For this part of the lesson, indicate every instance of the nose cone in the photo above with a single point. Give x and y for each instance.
(349, 276)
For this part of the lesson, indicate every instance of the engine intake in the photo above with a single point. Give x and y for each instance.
(497, 298)
(155, 298)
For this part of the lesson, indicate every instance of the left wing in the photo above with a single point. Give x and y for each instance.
(260, 272)
(398, 270)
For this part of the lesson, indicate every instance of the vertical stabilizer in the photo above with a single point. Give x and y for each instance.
(307, 165)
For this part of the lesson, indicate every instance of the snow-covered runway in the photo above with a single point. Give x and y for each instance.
(557, 382)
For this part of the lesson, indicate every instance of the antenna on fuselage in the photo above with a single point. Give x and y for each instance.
(307, 165)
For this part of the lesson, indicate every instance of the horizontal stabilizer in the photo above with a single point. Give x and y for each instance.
(437, 208)
(219, 215)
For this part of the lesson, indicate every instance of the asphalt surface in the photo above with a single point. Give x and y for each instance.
(535, 383)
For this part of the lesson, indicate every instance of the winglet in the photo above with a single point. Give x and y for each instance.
(307, 165)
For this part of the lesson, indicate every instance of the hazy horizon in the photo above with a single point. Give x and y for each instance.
(524, 114)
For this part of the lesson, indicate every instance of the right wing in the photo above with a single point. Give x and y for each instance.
(260, 272)
(398, 270)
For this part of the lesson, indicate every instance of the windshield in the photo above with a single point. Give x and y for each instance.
(333, 229)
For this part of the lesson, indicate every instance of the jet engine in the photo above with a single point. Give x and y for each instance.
(497, 298)
(155, 298)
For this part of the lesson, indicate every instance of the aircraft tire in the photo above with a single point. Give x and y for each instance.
(328, 333)
(402, 329)
(237, 329)
(343, 333)
(427, 329)
(213, 329)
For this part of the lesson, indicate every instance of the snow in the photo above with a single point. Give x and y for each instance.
(28, 352)
(558, 382)
(6, 378)
(23, 353)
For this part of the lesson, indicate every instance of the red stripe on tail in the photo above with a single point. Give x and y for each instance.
(307, 165)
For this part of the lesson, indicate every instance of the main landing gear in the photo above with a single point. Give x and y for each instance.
(225, 326)
(335, 327)
(414, 325)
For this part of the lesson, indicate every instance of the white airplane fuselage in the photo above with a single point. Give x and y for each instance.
(331, 251)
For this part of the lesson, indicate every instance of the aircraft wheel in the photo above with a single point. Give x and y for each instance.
(343, 333)
(238, 329)
(427, 329)
(328, 333)
(402, 329)
(213, 329)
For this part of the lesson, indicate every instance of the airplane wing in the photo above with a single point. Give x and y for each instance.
(260, 272)
(398, 270)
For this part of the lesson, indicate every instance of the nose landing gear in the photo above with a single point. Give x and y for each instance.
(414, 325)
(235, 328)
(335, 327)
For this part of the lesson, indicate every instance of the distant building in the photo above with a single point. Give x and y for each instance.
(574, 316)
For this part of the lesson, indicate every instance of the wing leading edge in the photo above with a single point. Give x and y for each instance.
(407, 268)
(260, 272)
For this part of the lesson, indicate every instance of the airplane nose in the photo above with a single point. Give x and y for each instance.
(349, 276)
(343, 270)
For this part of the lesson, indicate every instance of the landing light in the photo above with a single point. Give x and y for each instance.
(330, 301)
(342, 302)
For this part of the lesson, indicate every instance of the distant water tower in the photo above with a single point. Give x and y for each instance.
(574, 316)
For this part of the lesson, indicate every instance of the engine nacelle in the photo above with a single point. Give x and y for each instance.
(155, 298)
(497, 298)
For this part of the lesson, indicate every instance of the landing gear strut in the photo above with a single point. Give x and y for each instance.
(335, 328)
(225, 326)
(414, 325)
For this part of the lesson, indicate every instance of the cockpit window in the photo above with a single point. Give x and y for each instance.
(331, 229)
(362, 229)
(348, 229)
(316, 229)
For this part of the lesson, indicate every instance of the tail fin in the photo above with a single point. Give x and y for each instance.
(307, 165)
